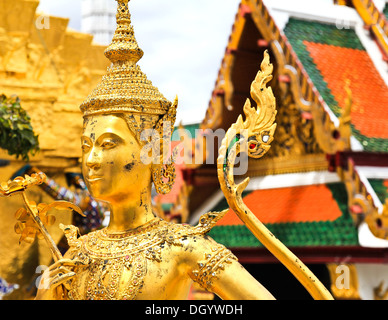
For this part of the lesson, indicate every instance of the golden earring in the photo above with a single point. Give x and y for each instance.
(163, 176)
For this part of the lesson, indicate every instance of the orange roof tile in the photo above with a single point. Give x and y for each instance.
(293, 204)
(370, 93)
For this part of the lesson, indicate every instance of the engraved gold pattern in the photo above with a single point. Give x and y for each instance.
(212, 266)
(109, 255)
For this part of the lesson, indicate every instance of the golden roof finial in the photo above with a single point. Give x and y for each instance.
(125, 88)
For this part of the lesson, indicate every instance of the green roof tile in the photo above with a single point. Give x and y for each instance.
(380, 189)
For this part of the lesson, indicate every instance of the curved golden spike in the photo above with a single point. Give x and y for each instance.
(260, 125)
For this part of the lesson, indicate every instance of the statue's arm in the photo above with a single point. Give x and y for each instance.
(216, 269)
(236, 283)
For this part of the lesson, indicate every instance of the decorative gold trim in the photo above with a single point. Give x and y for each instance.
(306, 96)
(361, 204)
(282, 165)
(222, 93)
(375, 20)
(213, 264)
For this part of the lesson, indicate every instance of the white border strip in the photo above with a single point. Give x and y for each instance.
(373, 172)
(292, 180)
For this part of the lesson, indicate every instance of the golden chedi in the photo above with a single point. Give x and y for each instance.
(138, 255)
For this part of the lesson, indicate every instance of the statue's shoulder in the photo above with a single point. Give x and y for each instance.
(205, 257)
(177, 233)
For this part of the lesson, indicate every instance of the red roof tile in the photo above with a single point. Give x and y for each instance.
(369, 91)
(293, 204)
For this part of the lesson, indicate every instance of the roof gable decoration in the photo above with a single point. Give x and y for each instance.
(375, 21)
(223, 88)
(306, 96)
(333, 124)
(364, 206)
(332, 133)
(312, 99)
(325, 128)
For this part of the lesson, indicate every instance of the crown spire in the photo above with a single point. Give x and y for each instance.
(125, 88)
(124, 46)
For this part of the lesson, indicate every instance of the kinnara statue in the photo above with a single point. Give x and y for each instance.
(139, 255)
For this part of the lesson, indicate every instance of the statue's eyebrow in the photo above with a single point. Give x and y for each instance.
(86, 139)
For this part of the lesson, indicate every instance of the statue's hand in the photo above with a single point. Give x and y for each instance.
(56, 279)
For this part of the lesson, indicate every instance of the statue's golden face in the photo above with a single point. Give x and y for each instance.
(111, 159)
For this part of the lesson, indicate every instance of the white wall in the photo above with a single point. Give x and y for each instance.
(369, 277)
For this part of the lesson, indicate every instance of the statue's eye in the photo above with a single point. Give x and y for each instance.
(85, 147)
(108, 144)
(265, 137)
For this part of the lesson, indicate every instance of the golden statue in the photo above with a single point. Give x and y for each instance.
(138, 255)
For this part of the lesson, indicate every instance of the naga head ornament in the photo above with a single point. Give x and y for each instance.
(260, 124)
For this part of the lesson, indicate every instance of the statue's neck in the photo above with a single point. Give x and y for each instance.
(131, 213)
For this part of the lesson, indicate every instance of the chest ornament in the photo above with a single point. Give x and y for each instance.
(118, 261)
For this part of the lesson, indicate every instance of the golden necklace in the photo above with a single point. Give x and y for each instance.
(109, 255)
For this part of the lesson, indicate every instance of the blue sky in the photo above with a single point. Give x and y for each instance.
(184, 42)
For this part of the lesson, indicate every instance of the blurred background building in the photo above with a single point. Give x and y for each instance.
(99, 19)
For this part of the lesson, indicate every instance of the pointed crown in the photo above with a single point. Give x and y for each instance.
(125, 88)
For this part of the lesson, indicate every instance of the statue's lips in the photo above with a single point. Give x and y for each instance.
(94, 179)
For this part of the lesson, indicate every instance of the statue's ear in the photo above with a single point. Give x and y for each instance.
(165, 126)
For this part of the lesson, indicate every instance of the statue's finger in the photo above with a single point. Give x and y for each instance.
(61, 279)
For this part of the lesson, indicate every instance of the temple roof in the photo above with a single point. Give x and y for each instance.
(303, 216)
(313, 60)
(331, 56)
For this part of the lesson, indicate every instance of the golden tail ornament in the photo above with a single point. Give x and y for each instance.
(254, 136)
